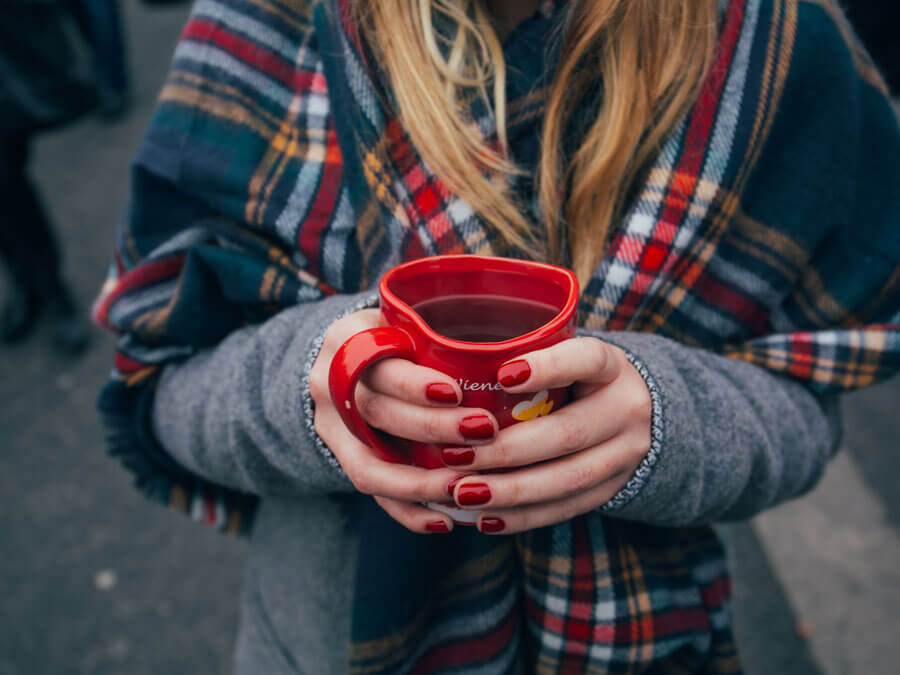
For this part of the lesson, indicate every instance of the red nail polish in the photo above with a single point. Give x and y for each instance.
(514, 373)
(437, 526)
(451, 486)
(477, 427)
(473, 494)
(441, 392)
(458, 456)
(491, 524)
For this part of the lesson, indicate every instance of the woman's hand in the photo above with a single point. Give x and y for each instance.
(570, 462)
(404, 400)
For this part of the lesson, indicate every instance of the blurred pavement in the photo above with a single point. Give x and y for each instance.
(93, 579)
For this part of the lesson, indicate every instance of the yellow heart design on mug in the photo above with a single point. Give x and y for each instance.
(536, 407)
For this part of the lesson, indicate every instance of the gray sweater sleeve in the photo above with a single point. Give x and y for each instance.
(239, 414)
(729, 439)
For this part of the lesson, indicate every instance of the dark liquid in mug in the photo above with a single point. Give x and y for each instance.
(484, 318)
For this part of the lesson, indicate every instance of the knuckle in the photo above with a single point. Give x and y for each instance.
(553, 361)
(330, 341)
(370, 408)
(498, 452)
(432, 427)
(639, 403)
(511, 494)
(403, 386)
(640, 442)
(420, 489)
(411, 390)
(318, 386)
(573, 435)
(582, 478)
(599, 352)
(407, 490)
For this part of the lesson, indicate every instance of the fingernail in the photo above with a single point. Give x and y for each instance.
(458, 456)
(491, 524)
(441, 392)
(437, 526)
(473, 494)
(451, 486)
(514, 373)
(477, 427)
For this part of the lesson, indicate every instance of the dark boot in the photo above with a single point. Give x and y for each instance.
(19, 315)
(70, 329)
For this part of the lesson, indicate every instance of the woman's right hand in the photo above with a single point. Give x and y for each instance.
(404, 400)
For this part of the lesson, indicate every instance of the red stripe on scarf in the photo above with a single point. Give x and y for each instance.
(255, 54)
(480, 649)
(803, 351)
(323, 207)
(716, 593)
(145, 275)
(582, 595)
(579, 634)
(209, 503)
(743, 307)
(429, 197)
(686, 174)
(125, 365)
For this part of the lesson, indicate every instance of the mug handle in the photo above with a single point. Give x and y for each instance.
(350, 362)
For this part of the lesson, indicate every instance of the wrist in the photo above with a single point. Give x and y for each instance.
(365, 300)
(645, 468)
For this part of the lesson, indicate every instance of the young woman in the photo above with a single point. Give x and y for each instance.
(721, 176)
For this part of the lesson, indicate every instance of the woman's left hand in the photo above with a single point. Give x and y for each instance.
(557, 467)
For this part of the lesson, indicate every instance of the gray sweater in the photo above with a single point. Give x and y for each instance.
(731, 439)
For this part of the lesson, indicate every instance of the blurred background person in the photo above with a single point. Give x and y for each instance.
(43, 85)
(100, 22)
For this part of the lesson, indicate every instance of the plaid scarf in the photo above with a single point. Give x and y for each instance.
(274, 174)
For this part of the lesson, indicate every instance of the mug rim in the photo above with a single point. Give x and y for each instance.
(557, 323)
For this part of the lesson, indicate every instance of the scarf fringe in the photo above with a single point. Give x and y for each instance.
(126, 414)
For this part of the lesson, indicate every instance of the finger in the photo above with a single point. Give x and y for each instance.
(550, 481)
(346, 327)
(577, 360)
(522, 519)
(336, 334)
(427, 425)
(416, 518)
(579, 425)
(371, 475)
(406, 381)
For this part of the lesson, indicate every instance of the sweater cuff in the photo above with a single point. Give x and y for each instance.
(367, 301)
(645, 468)
(641, 495)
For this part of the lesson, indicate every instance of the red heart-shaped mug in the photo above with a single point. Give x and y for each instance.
(465, 316)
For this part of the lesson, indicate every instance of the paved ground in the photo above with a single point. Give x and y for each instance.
(94, 580)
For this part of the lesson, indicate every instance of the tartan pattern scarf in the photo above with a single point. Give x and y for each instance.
(273, 174)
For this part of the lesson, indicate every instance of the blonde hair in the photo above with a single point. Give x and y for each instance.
(649, 57)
